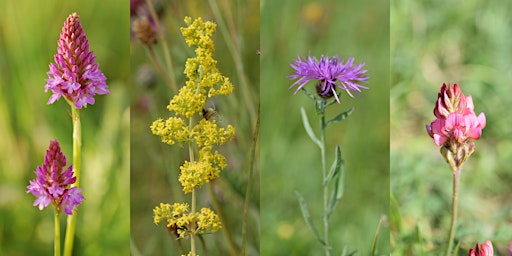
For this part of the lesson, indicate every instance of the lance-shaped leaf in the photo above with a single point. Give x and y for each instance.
(335, 167)
(340, 116)
(308, 128)
(307, 217)
(339, 174)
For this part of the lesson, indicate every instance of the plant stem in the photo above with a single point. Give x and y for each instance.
(57, 234)
(456, 178)
(193, 203)
(161, 70)
(324, 175)
(77, 145)
(249, 182)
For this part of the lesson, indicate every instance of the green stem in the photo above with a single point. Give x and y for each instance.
(193, 203)
(456, 178)
(57, 233)
(324, 175)
(77, 145)
(249, 182)
(161, 70)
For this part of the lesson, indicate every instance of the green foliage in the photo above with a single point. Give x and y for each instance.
(28, 41)
(433, 43)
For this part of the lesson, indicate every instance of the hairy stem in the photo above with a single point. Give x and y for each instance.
(324, 175)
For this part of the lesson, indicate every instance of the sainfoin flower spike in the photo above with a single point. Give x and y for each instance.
(484, 250)
(74, 75)
(456, 126)
(330, 73)
(53, 181)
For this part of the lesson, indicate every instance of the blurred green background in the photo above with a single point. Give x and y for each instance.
(29, 31)
(290, 160)
(155, 165)
(464, 42)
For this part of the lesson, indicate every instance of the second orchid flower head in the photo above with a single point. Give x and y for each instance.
(456, 126)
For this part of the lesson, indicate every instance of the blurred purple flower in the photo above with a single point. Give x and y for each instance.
(74, 74)
(330, 73)
(485, 249)
(52, 182)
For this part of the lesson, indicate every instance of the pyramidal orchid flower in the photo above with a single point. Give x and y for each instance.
(52, 182)
(456, 126)
(330, 74)
(74, 75)
(484, 250)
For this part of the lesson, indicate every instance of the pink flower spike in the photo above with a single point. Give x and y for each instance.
(485, 249)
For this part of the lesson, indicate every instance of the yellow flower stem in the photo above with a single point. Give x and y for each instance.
(193, 203)
(161, 70)
(225, 230)
(57, 233)
(77, 145)
(249, 182)
(455, 197)
(162, 39)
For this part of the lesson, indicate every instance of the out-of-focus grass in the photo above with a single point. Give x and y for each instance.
(433, 42)
(290, 160)
(29, 31)
(155, 165)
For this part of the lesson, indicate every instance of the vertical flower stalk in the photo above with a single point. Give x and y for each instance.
(53, 185)
(204, 81)
(76, 77)
(455, 129)
(331, 75)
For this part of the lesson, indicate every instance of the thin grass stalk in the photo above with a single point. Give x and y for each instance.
(455, 198)
(249, 182)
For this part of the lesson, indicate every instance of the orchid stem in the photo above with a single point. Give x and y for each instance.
(77, 144)
(57, 233)
(456, 178)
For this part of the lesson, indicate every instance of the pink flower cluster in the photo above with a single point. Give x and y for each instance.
(456, 120)
(485, 249)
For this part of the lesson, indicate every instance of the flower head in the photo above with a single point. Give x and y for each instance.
(456, 126)
(74, 75)
(485, 249)
(53, 180)
(330, 73)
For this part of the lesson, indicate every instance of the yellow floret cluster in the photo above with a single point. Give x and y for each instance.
(187, 126)
(178, 216)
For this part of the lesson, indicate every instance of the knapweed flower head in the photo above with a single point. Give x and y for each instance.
(484, 250)
(53, 181)
(178, 217)
(330, 73)
(74, 75)
(456, 126)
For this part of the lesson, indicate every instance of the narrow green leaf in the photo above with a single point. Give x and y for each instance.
(340, 117)
(456, 249)
(308, 128)
(337, 193)
(308, 94)
(335, 167)
(307, 217)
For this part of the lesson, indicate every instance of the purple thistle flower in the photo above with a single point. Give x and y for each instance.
(330, 73)
(74, 74)
(52, 182)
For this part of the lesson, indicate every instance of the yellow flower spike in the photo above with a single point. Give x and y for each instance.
(208, 220)
(171, 130)
(187, 102)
